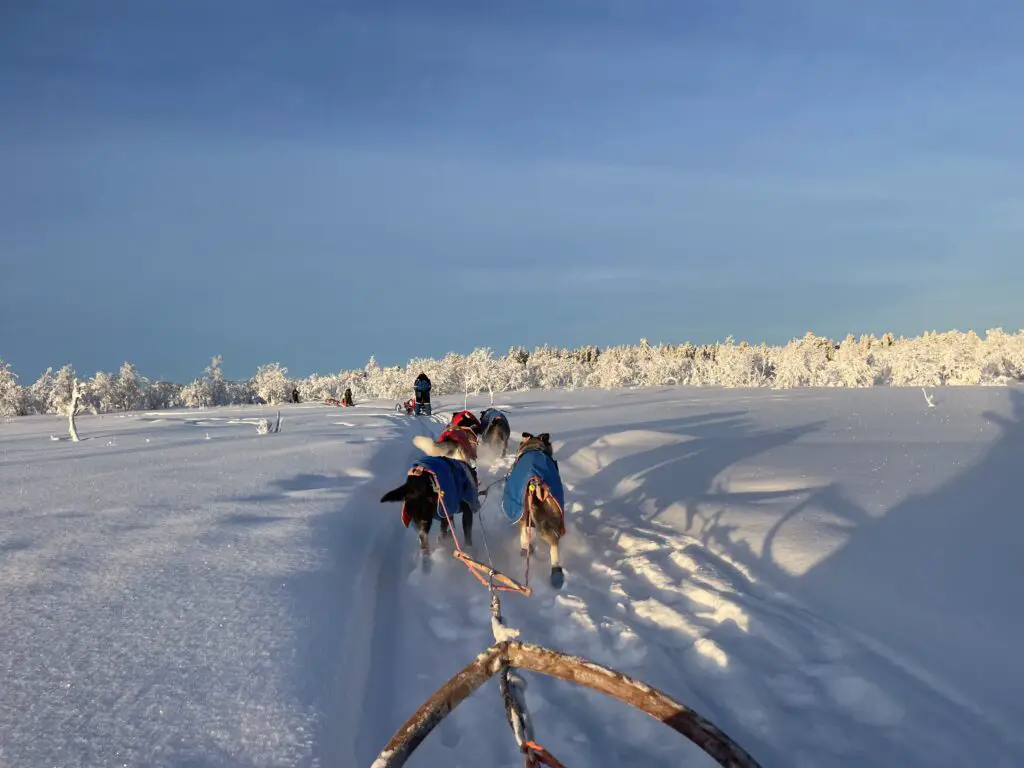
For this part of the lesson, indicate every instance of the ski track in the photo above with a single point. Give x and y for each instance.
(653, 588)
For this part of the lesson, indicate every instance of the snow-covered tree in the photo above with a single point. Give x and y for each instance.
(41, 392)
(63, 393)
(271, 383)
(479, 372)
(161, 395)
(100, 393)
(12, 396)
(128, 388)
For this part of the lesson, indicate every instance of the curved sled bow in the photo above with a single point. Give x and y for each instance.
(575, 669)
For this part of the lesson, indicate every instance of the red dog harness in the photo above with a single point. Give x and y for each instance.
(464, 436)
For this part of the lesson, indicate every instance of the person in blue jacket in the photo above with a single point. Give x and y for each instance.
(422, 389)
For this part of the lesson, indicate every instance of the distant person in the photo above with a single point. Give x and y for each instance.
(422, 388)
(346, 399)
(295, 395)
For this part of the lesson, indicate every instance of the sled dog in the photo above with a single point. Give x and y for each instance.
(437, 488)
(535, 500)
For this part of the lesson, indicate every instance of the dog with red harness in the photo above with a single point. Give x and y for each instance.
(459, 439)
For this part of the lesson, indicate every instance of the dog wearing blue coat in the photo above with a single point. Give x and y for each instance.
(437, 488)
(535, 499)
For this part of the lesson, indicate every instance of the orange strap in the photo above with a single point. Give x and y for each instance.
(537, 755)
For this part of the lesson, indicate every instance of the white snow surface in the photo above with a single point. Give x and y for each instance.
(832, 576)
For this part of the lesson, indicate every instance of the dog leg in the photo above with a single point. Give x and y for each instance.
(467, 525)
(525, 544)
(423, 532)
(557, 575)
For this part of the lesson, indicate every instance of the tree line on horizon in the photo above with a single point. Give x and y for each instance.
(930, 360)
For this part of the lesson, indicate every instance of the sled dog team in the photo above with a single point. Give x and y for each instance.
(444, 484)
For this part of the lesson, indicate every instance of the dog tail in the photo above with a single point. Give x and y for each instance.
(431, 448)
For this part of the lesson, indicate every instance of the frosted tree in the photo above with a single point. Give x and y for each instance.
(478, 372)
(193, 394)
(805, 363)
(64, 385)
(853, 363)
(214, 379)
(159, 395)
(513, 371)
(41, 392)
(101, 395)
(128, 388)
(12, 397)
(1003, 357)
(271, 383)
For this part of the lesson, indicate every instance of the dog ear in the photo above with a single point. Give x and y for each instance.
(544, 437)
(527, 435)
(395, 494)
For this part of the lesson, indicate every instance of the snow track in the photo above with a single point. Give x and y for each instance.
(377, 654)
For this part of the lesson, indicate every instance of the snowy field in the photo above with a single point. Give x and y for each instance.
(832, 576)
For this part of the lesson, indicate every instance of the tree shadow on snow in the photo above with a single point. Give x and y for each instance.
(647, 586)
(291, 487)
(938, 578)
(935, 578)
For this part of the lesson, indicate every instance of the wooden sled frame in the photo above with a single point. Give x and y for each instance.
(574, 669)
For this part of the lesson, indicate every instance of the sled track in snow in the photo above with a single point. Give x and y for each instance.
(373, 659)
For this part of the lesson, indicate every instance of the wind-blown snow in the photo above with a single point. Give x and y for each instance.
(832, 576)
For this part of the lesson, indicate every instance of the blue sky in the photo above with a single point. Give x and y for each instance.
(316, 182)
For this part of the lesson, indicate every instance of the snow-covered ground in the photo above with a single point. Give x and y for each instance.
(832, 576)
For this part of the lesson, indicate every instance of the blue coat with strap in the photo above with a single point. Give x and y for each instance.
(528, 466)
(421, 385)
(455, 483)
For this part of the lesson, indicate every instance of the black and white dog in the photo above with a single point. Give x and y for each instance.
(534, 498)
(437, 488)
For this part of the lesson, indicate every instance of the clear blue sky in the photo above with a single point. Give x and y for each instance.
(315, 182)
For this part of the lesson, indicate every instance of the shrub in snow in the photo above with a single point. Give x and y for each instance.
(264, 427)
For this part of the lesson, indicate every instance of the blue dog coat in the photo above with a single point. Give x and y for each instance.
(454, 481)
(486, 416)
(532, 464)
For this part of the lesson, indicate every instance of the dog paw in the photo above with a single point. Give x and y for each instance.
(557, 577)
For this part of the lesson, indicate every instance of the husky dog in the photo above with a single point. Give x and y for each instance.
(456, 443)
(437, 488)
(464, 419)
(494, 431)
(534, 498)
